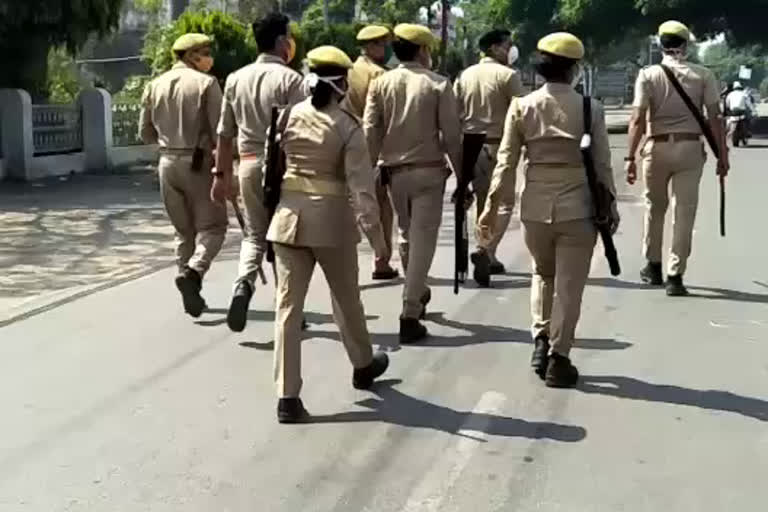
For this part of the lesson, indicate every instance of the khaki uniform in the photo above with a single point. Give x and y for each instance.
(485, 91)
(411, 123)
(360, 77)
(673, 162)
(249, 95)
(556, 207)
(180, 113)
(328, 190)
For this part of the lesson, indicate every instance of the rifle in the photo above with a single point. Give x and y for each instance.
(273, 176)
(601, 196)
(706, 130)
(473, 144)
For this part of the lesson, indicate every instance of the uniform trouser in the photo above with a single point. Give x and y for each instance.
(295, 266)
(200, 224)
(677, 165)
(562, 253)
(254, 245)
(387, 217)
(486, 162)
(417, 195)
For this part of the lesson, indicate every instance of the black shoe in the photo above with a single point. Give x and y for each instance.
(651, 274)
(411, 331)
(540, 357)
(189, 284)
(425, 300)
(363, 378)
(675, 286)
(482, 273)
(291, 410)
(238, 309)
(497, 268)
(560, 372)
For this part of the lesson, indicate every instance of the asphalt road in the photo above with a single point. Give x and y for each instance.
(119, 402)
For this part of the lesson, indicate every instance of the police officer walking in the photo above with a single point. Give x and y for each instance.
(674, 152)
(411, 123)
(376, 51)
(556, 207)
(485, 91)
(249, 95)
(327, 191)
(180, 112)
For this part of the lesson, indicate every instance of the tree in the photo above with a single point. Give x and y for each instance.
(28, 30)
(726, 62)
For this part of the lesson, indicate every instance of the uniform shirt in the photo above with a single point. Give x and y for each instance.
(180, 109)
(249, 95)
(407, 111)
(484, 92)
(326, 146)
(738, 101)
(667, 112)
(359, 77)
(549, 123)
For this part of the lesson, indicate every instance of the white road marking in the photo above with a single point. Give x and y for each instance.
(429, 494)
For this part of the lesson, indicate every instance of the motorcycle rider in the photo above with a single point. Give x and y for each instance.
(739, 103)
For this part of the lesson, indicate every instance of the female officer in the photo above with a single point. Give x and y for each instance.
(328, 190)
(556, 207)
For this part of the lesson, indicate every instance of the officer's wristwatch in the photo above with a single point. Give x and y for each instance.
(629, 159)
(218, 174)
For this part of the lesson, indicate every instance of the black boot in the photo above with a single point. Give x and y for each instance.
(362, 378)
(291, 410)
(651, 274)
(238, 309)
(189, 283)
(482, 272)
(497, 268)
(425, 300)
(675, 286)
(560, 372)
(411, 330)
(540, 357)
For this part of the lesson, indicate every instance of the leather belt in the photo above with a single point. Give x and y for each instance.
(395, 169)
(313, 186)
(493, 140)
(177, 151)
(672, 137)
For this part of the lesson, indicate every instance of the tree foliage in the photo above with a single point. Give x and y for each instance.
(726, 61)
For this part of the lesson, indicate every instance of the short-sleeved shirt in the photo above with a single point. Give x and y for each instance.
(411, 118)
(359, 78)
(180, 109)
(484, 92)
(249, 95)
(667, 112)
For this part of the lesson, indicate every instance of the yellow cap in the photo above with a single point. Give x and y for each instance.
(416, 34)
(562, 44)
(191, 41)
(674, 28)
(372, 32)
(328, 56)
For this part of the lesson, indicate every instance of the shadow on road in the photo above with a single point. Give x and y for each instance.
(634, 389)
(697, 292)
(397, 408)
(269, 316)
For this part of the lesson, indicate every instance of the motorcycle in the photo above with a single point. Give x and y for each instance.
(738, 130)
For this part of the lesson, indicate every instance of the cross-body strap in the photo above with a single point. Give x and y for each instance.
(705, 128)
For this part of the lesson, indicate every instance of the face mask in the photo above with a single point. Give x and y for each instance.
(388, 54)
(291, 50)
(311, 81)
(513, 55)
(204, 63)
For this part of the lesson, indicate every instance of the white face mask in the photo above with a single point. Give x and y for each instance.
(513, 55)
(311, 81)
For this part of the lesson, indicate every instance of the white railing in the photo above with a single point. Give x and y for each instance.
(57, 129)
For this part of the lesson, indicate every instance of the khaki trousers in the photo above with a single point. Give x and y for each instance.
(254, 245)
(486, 162)
(295, 266)
(387, 216)
(417, 195)
(675, 165)
(200, 224)
(562, 253)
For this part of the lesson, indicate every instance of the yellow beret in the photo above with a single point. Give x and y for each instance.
(562, 44)
(674, 28)
(191, 41)
(372, 32)
(416, 34)
(328, 56)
